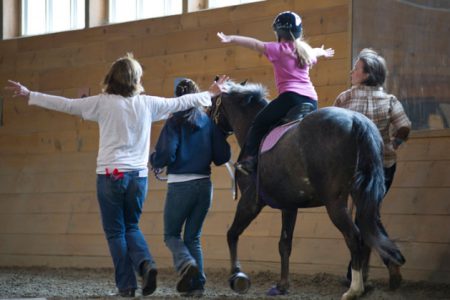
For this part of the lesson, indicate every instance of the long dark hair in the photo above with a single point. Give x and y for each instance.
(189, 116)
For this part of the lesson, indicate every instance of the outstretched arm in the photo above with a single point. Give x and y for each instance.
(247, 42)
(84, 107)
(329, 52)
(160, 107)
(17, 89)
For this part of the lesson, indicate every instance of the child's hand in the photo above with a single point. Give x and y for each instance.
(224, 38)
(218, 86)
(17, 89)
(327, 52)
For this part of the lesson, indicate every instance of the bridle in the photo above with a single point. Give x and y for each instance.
(216, 111)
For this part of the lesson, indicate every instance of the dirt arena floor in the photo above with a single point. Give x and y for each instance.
(99, 284)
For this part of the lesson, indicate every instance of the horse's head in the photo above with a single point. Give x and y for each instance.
(234, 110)
(217, 114)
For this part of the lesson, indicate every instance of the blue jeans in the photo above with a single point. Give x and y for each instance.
(121, 202)
(187, 204)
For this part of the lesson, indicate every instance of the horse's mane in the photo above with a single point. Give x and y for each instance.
(254, 92)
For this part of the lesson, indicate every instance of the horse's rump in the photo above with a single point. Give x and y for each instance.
(319, 152)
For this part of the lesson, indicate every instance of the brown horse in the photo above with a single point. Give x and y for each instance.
(331, 154)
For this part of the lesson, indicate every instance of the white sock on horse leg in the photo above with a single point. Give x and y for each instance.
(357, 285)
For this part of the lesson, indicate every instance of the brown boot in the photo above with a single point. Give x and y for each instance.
(395, 277)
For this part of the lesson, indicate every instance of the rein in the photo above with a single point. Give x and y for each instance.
(215, 113)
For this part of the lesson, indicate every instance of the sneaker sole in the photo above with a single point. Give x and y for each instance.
(184, 285)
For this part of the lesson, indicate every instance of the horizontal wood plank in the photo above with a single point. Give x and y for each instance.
(305, 250)
(268, 224)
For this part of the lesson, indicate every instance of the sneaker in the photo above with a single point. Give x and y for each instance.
(187, 274)
(129, 293)
(148, 278)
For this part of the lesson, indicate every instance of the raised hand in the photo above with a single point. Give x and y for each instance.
(329, 52)
(224, 38)
(218, 85)
(17, 89)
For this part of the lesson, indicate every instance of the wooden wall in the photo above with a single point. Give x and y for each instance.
(409, 34)
(416, 211)
(419, 65)
(49, 212)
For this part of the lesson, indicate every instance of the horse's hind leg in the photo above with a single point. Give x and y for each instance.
(289, 218)
(342, 220)
(247, 210)
(395, 276)
(365, 259)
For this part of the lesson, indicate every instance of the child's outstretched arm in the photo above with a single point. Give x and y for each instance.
(84, 107)
(243, 41)
(17, 89)
(329, 52)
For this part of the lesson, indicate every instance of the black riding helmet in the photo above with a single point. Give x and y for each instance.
(287, 23)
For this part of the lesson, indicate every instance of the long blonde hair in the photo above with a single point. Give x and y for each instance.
(304, 51)
(124, 77)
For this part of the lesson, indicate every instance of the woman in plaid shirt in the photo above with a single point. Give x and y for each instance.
(368, 97)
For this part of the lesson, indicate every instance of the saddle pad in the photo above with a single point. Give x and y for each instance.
(271, 139)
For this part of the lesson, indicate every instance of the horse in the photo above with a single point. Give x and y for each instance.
(330, 154)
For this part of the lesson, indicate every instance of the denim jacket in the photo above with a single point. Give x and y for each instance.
(190, 147)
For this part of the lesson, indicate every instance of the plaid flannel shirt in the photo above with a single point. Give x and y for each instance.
(382, 108)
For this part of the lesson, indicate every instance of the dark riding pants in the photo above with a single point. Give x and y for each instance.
(270, 116)
(388, 179)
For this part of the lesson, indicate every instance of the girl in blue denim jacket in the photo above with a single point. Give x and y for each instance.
(188, 143)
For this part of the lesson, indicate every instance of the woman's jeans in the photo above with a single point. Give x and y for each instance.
(121, 201)
(187, 203)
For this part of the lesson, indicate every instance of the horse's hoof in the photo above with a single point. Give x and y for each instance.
(275, 291)
(395, 282)
(240, 283)
(352, 294)
(348, 296)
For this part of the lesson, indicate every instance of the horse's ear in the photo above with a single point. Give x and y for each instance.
(243, 82)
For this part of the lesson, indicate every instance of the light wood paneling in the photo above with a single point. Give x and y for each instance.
(49, 214)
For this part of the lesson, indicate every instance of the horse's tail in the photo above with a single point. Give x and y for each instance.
(369, 189)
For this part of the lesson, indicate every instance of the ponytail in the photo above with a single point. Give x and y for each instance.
(305, 54)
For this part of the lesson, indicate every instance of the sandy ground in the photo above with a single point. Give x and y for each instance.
(99, 284)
